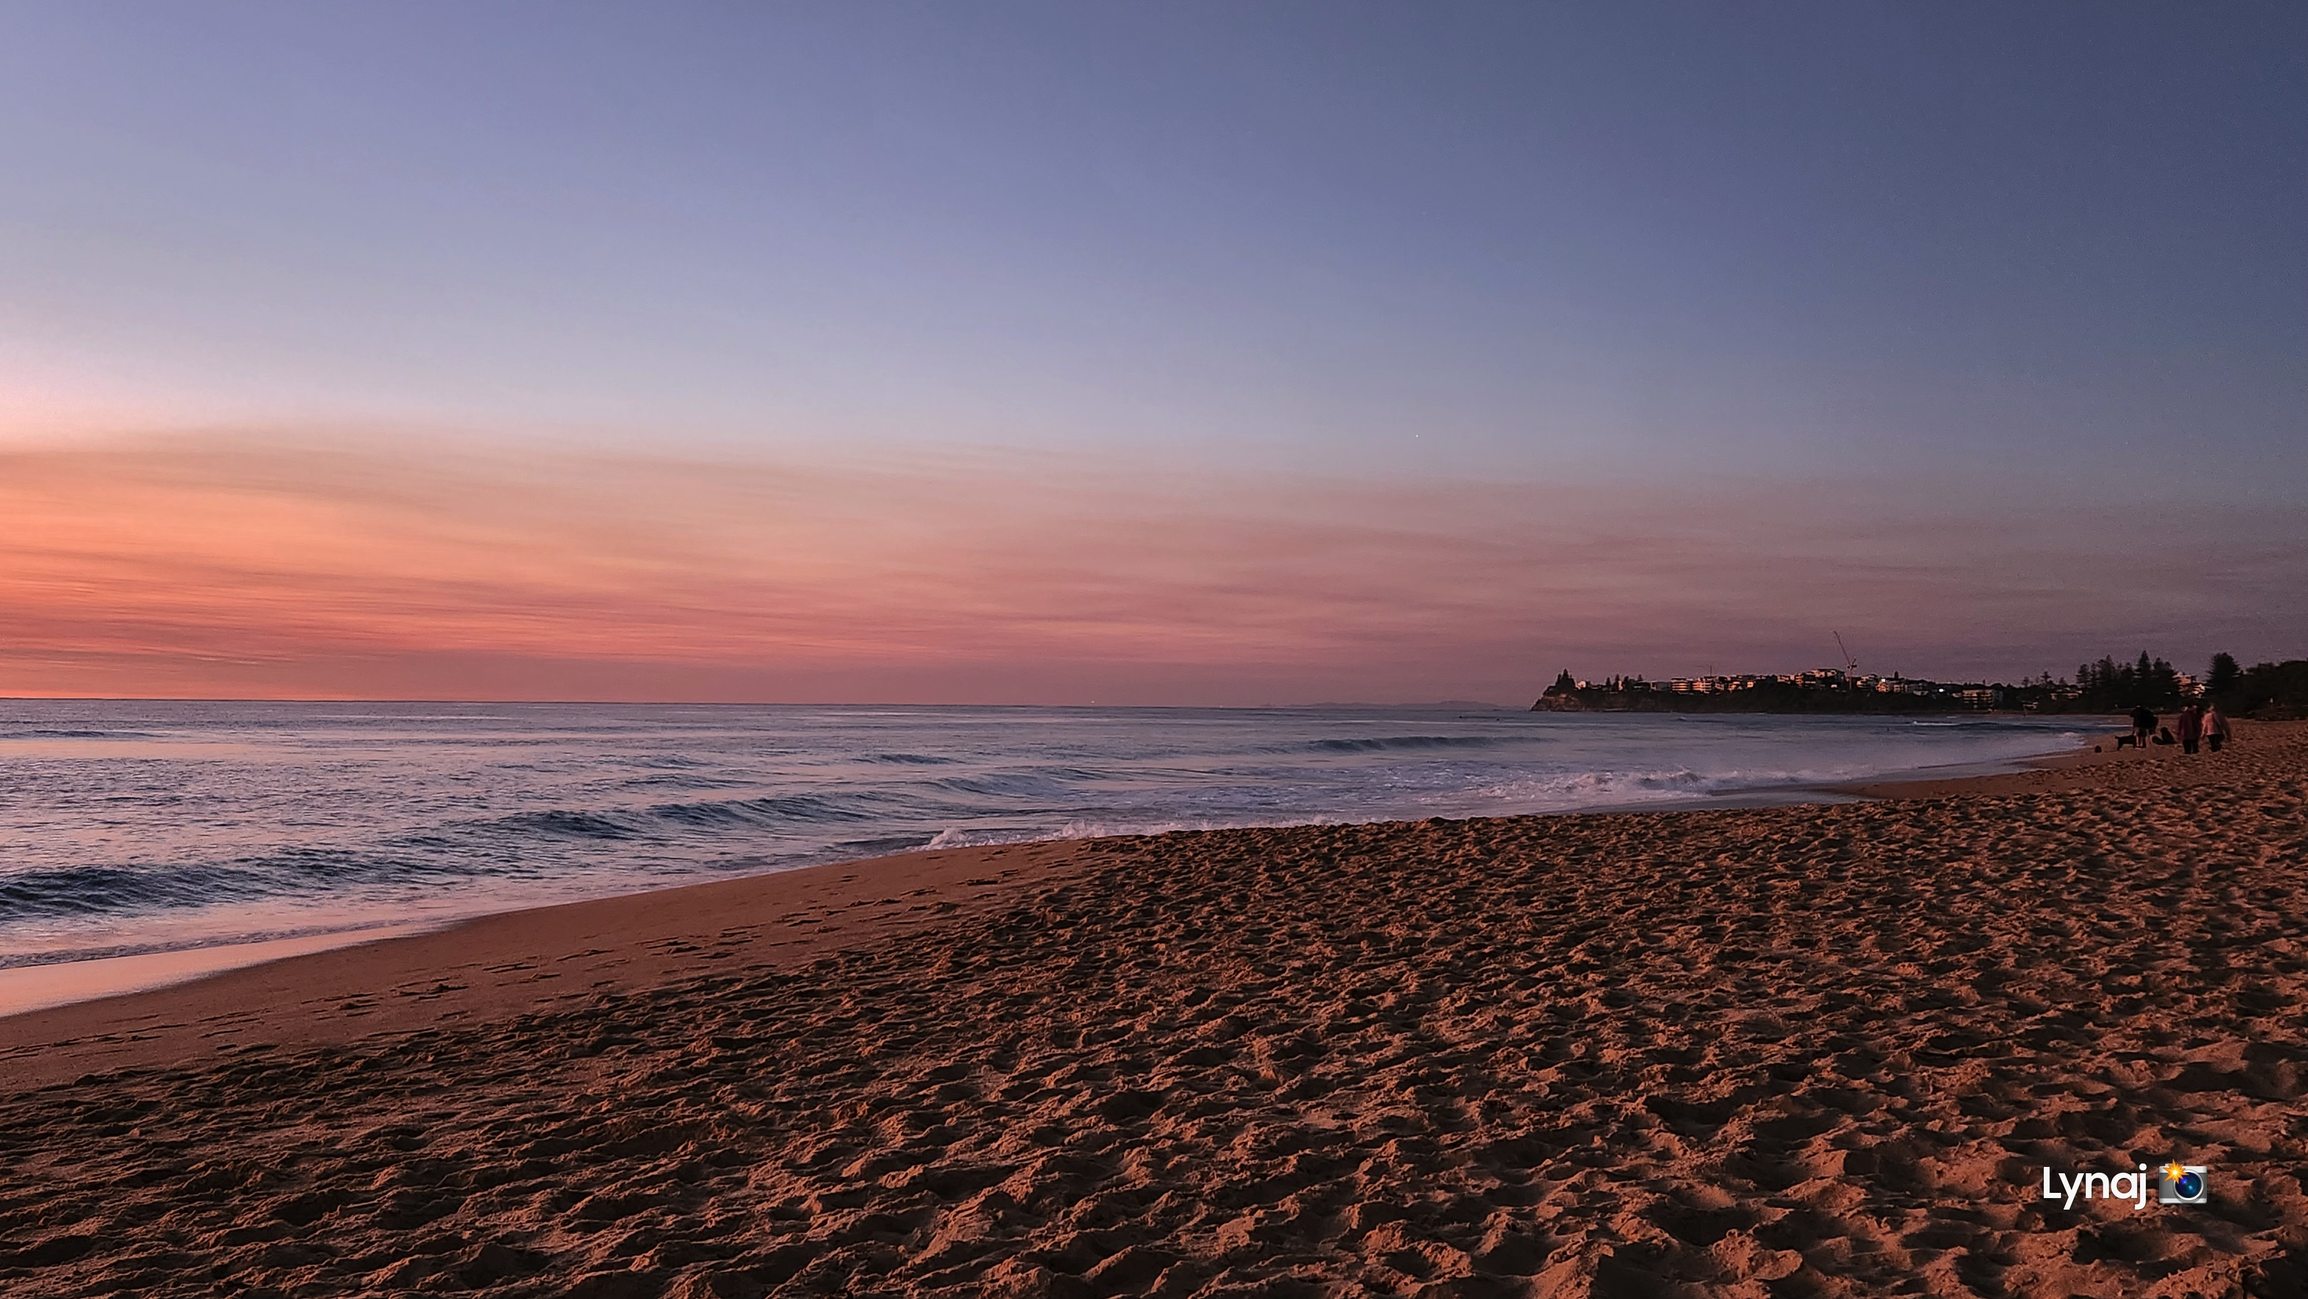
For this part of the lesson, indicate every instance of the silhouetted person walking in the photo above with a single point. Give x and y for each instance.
(2143, 726)
(2215, 728)
(2191, 727)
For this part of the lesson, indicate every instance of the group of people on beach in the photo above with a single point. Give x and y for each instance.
(2201, 724)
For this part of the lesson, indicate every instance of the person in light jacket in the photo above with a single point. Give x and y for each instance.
(2215, 728)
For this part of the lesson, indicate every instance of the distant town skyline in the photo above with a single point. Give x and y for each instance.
(1192, 354)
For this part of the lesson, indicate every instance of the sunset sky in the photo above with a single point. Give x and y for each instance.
(1166, 353)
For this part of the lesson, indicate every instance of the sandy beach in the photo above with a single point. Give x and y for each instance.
(1813, 1050)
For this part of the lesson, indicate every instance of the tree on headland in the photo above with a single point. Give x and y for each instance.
(2221, 680)
(1565, 684)
(2111, 687)
(2270, 690)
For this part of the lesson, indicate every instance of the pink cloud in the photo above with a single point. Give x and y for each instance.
(268, 568)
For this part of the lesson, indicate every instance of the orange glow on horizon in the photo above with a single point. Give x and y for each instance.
(218, 567)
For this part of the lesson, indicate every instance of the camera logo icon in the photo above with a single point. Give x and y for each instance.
(2181, 1184)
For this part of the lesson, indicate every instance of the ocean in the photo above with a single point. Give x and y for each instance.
(136, 827)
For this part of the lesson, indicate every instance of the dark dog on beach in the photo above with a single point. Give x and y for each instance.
(2127, 741)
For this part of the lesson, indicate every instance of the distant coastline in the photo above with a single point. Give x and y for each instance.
(1821, 690)
(1758, 700)
(2266, 690)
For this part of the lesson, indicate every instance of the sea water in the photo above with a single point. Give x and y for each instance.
(143, 827)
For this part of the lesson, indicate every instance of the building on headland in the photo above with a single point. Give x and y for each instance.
(1814, 690)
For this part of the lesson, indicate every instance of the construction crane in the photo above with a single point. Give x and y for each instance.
(1850, 664)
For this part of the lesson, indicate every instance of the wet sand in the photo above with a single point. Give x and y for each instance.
(1821, 1050)
(38, 987)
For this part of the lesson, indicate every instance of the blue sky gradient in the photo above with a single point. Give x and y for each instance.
(2057, 246)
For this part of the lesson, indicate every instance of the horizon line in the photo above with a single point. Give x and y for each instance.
(720, 703)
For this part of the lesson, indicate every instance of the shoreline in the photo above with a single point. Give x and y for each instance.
(363, 983)
(100, 1018)
(1825, 1049)
(2083, 768)
(510, 962)
(58, 986)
